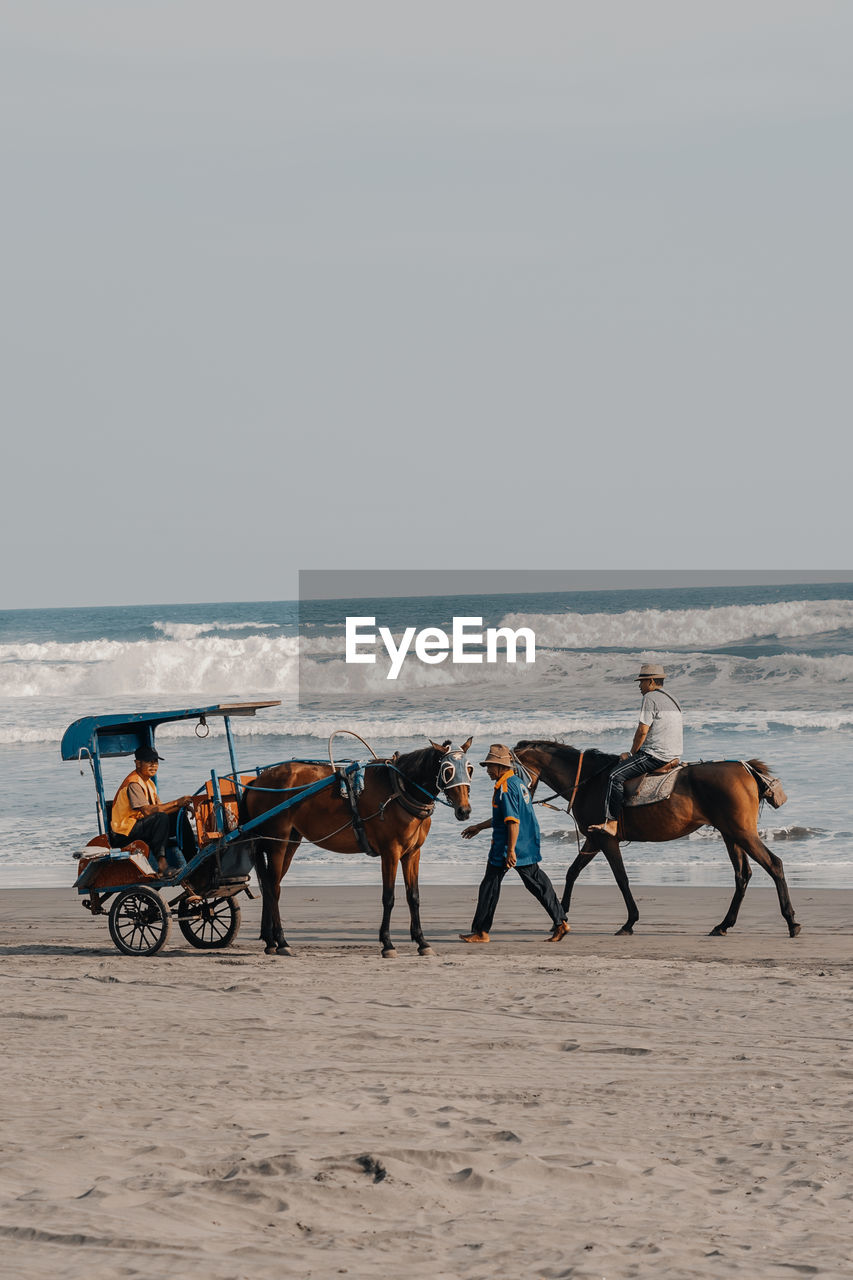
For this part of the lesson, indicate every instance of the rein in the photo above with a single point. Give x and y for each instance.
(407, 802)
(577, 781)
(577, 785)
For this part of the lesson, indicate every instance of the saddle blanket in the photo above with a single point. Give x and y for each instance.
(650, 788)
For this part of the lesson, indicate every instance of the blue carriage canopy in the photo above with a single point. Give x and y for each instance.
(122, 735)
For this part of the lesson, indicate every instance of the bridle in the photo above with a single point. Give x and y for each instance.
(454, 771)
(578, 783)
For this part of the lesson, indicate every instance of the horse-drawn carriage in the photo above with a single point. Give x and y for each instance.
(214, 850)
(237, 821)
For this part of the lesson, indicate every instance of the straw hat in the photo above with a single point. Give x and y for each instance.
(498, 754)
(651, 671)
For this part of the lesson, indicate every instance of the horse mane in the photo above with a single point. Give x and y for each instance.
(417, 765)
(564, 752)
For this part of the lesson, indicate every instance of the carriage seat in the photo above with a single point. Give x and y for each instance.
(116, 841)
(204, 807)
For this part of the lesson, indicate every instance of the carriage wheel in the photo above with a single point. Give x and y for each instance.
(215, 922)
(139, 922)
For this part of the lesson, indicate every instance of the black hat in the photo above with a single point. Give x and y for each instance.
(146, 755)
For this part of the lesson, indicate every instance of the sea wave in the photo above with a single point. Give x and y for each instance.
(685, 628)
(386, 731)
(190, 630)
(238, 666)
(112, 667)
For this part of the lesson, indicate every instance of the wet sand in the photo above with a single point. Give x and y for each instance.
(667, 1104)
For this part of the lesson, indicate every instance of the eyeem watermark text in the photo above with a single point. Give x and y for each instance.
(433, 645)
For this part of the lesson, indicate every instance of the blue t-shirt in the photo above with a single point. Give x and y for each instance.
(511, 799)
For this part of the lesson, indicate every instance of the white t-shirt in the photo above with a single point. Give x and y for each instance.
(665, 739)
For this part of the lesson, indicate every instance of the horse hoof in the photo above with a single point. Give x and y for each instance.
(283, 951)
(718, 932)
(794, 929)
(425, 951)
(389, 954)
(269, 949)
(626, 928)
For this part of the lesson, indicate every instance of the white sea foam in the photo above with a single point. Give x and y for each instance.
(695, 628)
(387, 731)
(581, 693)
(189, 630)
(189, 657)
(110, 667)
(565, 692)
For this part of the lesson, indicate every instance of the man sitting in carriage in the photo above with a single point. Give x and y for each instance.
(137, 813)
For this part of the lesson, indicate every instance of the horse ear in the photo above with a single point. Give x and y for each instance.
(441, 750)
(466, 745)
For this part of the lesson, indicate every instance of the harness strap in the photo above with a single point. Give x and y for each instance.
(415, 807)
(348, 793)
(577, 780)
(431, 799)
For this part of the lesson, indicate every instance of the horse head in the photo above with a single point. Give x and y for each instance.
(543, 759)
(454, 776)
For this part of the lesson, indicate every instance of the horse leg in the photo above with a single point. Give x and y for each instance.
(613, 854)
(389, 877)
(410, 864)
(282, 947)
(743, 874)
(583, 859)
(270, 866)
(758, 851)
(264, 882)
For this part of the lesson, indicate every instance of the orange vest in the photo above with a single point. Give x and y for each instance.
(124, 816)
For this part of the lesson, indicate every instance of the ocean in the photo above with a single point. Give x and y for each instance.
(759, 671)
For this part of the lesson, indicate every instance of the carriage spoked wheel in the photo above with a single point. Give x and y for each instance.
(211, 923)
(139, 922)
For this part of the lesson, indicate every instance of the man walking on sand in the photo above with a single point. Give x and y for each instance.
(515, 843)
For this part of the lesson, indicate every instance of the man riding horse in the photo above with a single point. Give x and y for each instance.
(658, 740)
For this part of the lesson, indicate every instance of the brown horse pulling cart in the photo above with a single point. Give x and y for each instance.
(383, 809)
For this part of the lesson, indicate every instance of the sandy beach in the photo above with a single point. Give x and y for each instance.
(668, 1104)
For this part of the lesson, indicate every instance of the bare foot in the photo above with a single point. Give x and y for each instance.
(474, 937)
(609, 828)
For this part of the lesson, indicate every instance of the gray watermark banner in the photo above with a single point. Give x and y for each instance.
(373, 638)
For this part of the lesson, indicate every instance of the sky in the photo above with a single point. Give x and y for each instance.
(296, 286)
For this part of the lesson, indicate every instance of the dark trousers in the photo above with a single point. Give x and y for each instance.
(155, 830)
(633, 767)
(534, 880)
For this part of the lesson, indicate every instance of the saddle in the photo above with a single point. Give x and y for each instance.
(651, 788)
